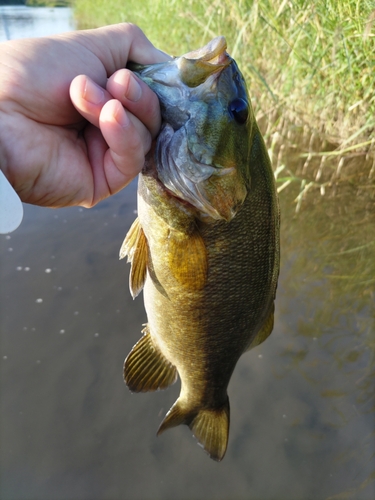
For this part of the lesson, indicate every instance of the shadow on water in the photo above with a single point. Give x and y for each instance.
(302, 403)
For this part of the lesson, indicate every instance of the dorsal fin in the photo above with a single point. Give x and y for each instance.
(135, 248)
(146, 368)
(209, 425)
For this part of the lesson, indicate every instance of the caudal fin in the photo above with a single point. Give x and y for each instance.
(209, 425)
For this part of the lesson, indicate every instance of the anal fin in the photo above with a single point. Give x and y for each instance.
(146, 368)
(135, 248)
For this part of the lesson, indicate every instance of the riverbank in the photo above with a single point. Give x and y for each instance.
(309, 67)
(49, 3)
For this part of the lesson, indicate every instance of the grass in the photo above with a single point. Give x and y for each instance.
(309, 66)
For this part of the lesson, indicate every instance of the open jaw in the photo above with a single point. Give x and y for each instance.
(213, 53)
(196, 66)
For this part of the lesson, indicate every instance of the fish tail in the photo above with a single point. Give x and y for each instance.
(209, 425)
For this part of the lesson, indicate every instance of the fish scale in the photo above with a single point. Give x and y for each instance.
(205, 246)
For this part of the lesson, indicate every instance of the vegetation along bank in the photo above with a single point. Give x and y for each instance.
(309, 65)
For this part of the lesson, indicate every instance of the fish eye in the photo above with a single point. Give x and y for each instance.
(239, 109)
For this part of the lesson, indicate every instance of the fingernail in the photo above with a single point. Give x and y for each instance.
(93, 93)
(121, 117)
(134, 90)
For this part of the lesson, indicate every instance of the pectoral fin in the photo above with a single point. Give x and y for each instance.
(188, 259)
(209, 425)
(135, 248)
(146, 368)
(265, 331)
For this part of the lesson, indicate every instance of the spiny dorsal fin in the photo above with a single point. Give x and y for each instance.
(146, 369)
(265, 331)
(188, 259)
(135, 248)
(209, 425)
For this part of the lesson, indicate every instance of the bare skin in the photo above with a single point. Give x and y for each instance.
(74, 124)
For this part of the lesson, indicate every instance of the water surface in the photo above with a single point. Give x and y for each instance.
(302, 403)
(21, 21)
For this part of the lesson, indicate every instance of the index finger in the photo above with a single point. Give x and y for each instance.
(136, 97)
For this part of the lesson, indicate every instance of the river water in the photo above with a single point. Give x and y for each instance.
(302, 403)
(20, 21)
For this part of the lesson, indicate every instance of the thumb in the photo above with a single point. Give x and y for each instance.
(117, 44)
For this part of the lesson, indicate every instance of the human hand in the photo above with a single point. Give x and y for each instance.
(74, 124)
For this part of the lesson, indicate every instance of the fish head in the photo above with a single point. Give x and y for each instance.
(202, 153)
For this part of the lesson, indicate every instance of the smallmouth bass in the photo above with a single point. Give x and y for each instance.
(205, 245)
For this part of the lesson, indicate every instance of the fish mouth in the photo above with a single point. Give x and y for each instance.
(198, 65)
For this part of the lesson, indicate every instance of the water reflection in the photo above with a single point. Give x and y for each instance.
(329, 269)
(20, 21)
